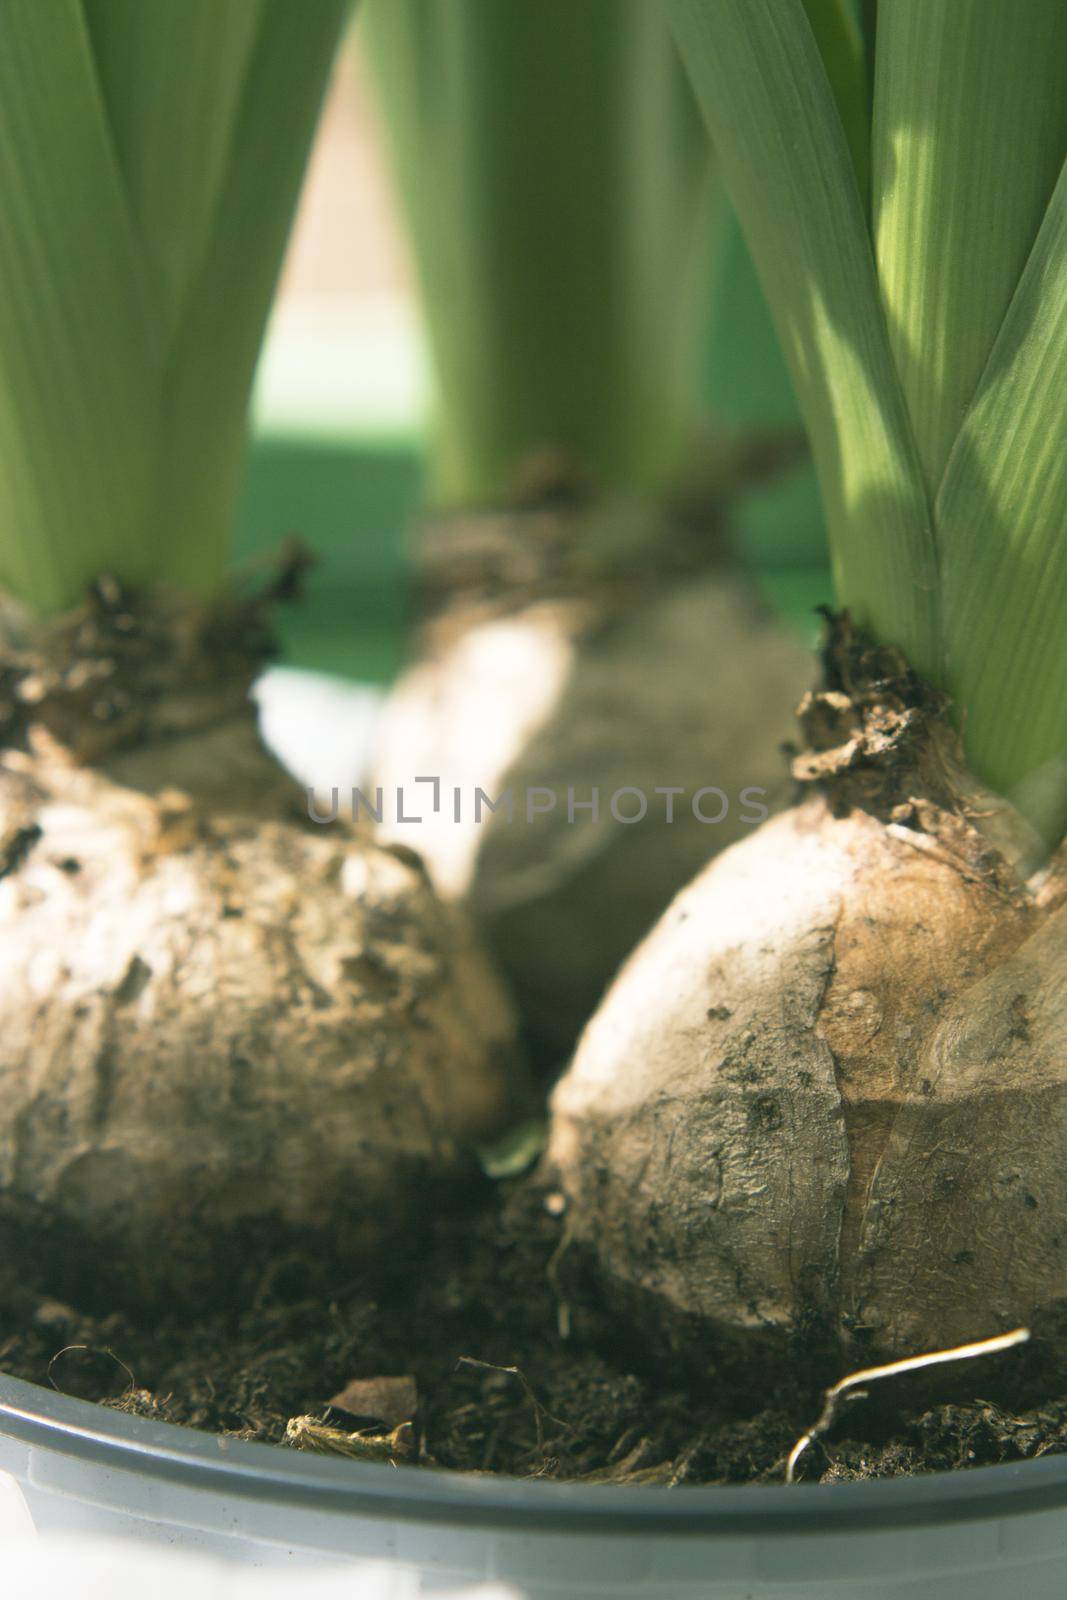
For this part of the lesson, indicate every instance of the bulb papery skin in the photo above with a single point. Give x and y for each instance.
(689, 687)
(829, 1091)
(217, 1017)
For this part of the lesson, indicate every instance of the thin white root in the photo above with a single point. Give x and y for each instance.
(539, 1411)
(106, 1350)
(845, 1387)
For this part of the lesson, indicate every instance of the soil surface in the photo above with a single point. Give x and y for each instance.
(512, 1371)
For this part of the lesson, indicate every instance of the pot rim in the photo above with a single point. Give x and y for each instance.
(81, 1430)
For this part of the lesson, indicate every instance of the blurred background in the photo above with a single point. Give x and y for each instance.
(343, 396)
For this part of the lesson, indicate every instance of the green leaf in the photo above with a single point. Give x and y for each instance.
(1002, 521)
(970, 128)
(785, 159)
(224, 311)
(150, 155)
(837, 34)
(171, 77)
(80, 354)
(552, 169)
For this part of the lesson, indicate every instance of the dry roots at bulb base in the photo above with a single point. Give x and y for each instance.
(214, 1014)
(829, 1091)
(579, 661)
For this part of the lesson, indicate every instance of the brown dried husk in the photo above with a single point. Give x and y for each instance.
(214, 1014)
(829, 1091)
(576, 683)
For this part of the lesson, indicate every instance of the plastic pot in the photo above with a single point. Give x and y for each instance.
(983, 1534)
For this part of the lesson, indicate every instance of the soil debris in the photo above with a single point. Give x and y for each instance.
(388, 1401)
(459, 1329)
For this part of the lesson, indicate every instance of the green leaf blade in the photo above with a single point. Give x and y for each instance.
(553, 173)
(837, 34)
(970, 128)
(78, 355)
(171, 79)
(149, 167)
(786, 162)
(1002, 520)
(225, 308)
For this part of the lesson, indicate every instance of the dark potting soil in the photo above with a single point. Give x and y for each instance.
(513, 1372)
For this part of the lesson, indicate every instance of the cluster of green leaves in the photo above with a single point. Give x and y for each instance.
(151, 153)
(555, 175)
(909, 224)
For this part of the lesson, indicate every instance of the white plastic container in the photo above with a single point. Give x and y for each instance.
(989, 1534)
